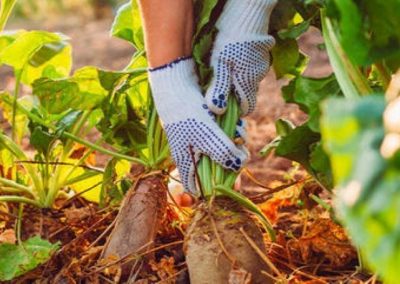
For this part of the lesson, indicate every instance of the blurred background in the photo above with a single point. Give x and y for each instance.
(85, 22)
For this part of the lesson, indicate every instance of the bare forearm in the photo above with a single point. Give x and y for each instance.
(168, 27)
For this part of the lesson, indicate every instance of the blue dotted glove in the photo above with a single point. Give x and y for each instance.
(241, 54)
(188, 123)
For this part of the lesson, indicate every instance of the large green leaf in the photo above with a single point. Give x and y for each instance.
(308, 93)
(52, 61)
(38, 53)
(16, 260)
(296, 145)
(127, 25)
(369, 30)
(85, 90)
(368, 196)
(8, 37)
(288, 60)
(123, 123)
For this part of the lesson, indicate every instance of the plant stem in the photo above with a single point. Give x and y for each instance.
(19, 223)
(18, 75)
(350, 78)
(19, 199)
(151, 125)
(5, 11)
(16, 151)
(15, 185)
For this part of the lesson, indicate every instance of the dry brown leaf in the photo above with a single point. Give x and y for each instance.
(165, 268)
(325, 239)
(74, 215)
(8, 237)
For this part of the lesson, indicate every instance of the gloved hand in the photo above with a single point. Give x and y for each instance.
(241, 54)
(188, 123)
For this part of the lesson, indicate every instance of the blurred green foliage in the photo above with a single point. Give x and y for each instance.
(41, 9)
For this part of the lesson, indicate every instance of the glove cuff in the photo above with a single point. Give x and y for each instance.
(246, 17)
(176, 75)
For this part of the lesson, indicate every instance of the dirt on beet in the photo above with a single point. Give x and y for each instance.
(311, 247)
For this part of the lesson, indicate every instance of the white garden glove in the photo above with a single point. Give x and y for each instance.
(188, 123)
(241, 54)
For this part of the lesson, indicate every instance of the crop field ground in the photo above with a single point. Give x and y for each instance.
(284, 211)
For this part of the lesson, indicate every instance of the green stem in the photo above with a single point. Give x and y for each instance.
(19, 199)
(5, 11)
(157, 139)
(18, 75)
(350, 78)
(150, 135)
(15, 185)
(19, 223)
(162, 156)
(11, 146)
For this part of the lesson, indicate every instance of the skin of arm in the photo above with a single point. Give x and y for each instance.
(168, 29)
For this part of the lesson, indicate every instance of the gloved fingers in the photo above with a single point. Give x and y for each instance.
(222, 150)
(186, 168)
(241, 133)
(218, 92)
(245, 90)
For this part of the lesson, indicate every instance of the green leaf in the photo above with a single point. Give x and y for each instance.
(54, 65)
(85, 90)
(369, 30)
(295, 31)
(25, 46)
(288, 60)
(368, 196)
(345, 125)
(16, 260)
(321, 165)
(206, 15)
(282, 16)
(205, 9)
(283, 128)
(127, 25)
(42, 140)
(308, 93)
(296, 146)
(8, 37)
(123, 122)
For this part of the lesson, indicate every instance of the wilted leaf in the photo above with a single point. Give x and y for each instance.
(324, 240)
